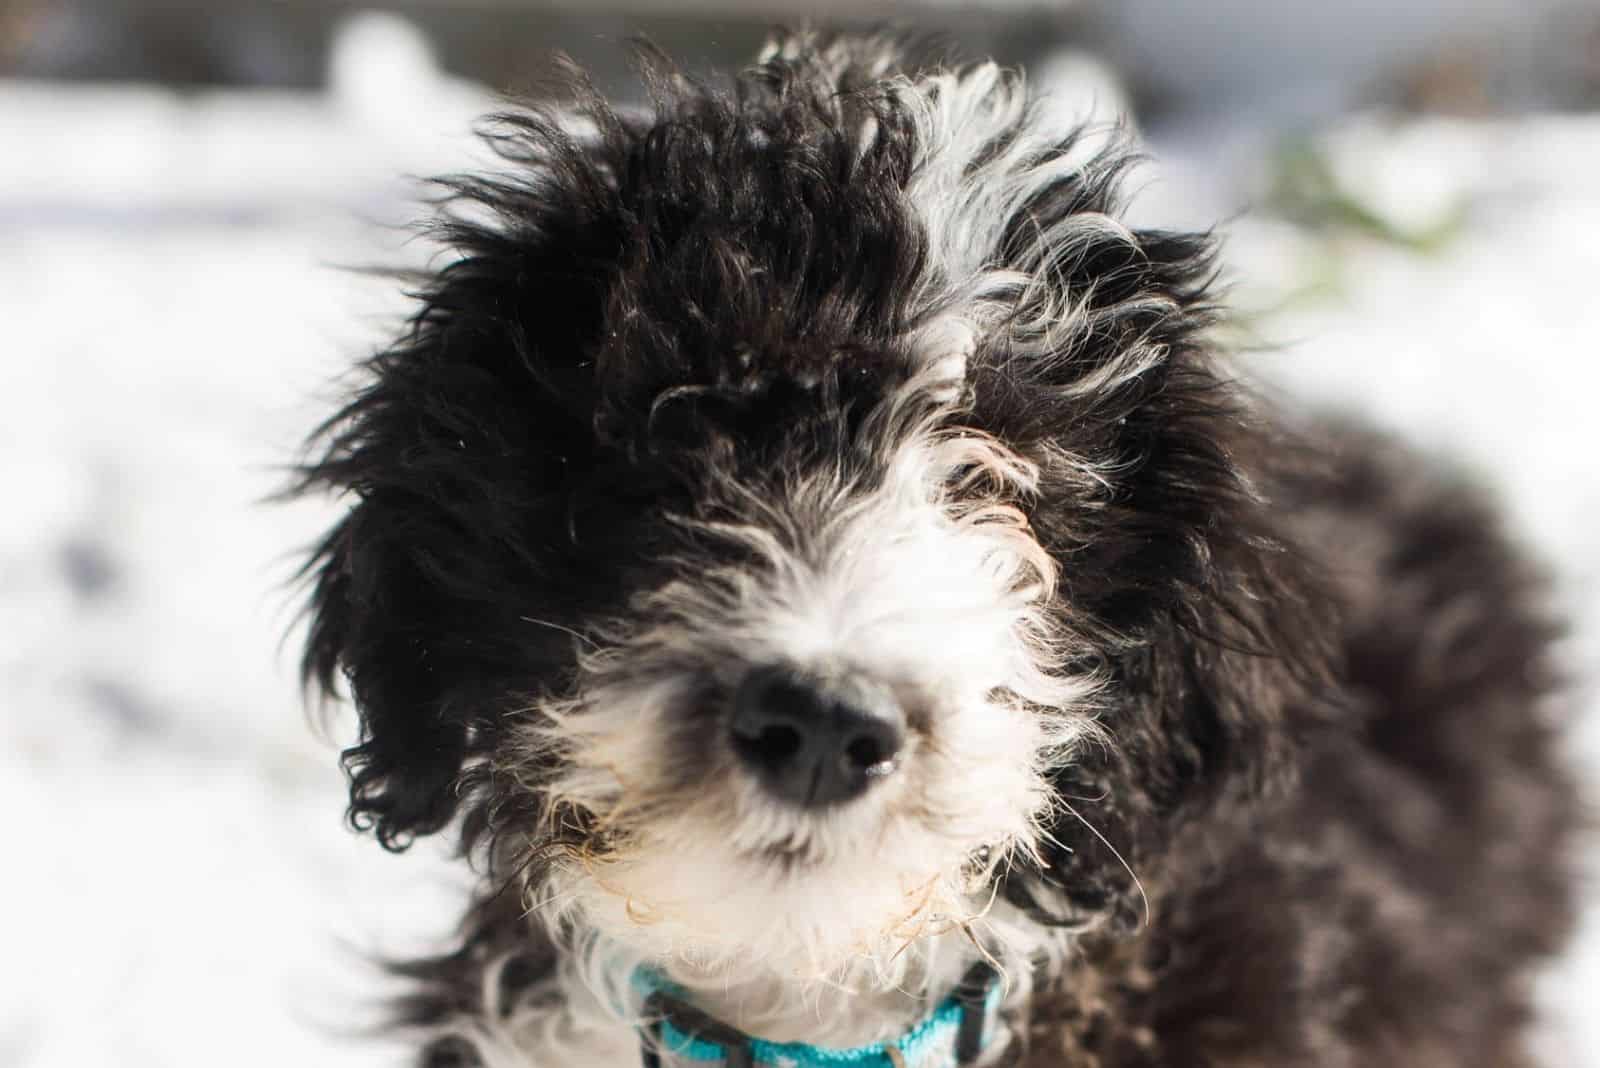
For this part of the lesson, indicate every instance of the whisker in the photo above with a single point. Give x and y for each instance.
(1138, 884)
(1044, 832)
(989, 957)
(548, 902)
(584, 638)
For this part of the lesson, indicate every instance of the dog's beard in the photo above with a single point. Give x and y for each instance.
(733, 883)
(931, 583)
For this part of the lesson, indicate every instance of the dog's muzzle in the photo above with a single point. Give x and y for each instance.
(815, 740)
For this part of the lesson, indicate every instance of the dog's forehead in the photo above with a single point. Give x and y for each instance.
(765, 258)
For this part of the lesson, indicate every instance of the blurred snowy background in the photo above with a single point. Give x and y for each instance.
(1411, 199)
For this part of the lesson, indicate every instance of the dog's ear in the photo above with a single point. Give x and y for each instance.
(1214, 631)
(445, 594)
(1217, 674)
(369, 622)
(1154, 494)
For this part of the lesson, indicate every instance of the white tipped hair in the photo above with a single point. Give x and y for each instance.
(984, 154)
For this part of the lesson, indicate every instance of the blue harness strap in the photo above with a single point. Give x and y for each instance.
(954, 1035)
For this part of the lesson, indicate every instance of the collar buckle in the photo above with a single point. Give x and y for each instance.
(975, 995)
(660, 1007)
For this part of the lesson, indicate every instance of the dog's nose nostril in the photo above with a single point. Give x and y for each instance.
(872, 756)
(772, 745)
(813, 741)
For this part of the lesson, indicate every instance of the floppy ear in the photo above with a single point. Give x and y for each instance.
(1208, 707)
(1153, 483)
(367, 604)
(469, 458)
(1211, 628)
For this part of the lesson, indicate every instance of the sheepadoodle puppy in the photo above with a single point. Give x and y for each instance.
(809, 551)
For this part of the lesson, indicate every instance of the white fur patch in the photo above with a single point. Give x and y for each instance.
(589, 1014)
(985, 154)
(928, 579)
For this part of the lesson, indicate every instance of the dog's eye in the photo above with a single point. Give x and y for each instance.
(862, 380)
(685, 414)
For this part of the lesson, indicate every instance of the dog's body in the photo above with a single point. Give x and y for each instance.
(808, 545)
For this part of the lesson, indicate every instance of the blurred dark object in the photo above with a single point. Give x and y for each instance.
(1286, 61)
(501, 43)
(278, 46)
(1555, 65)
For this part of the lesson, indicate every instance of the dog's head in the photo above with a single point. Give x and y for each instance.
(794, 515)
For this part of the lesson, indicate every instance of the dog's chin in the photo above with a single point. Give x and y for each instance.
(719, 875)
(782, 911)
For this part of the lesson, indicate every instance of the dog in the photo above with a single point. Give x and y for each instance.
(814, 556)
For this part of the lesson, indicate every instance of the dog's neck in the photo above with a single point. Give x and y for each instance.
(841, 1012)
(595, 1014)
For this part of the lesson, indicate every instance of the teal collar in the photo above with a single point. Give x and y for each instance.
(954, 1035)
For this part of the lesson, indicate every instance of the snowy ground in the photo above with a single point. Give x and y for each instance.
(180, 888)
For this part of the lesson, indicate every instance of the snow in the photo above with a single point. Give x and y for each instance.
(180, 888)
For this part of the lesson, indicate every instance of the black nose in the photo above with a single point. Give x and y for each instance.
(816, 741)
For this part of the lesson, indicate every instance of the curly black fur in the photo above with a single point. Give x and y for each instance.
(1332, 754)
